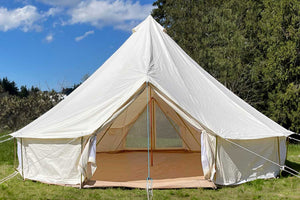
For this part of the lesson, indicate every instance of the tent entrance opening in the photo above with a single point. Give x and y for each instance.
(122, 156)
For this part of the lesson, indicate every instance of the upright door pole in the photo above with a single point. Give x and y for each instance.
(81, 182)
(149, 179)
(151, 125)
(22, 158)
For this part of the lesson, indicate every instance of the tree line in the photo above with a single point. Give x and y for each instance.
(20, 106)
(252, 47)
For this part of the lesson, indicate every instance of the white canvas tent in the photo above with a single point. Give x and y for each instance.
(150, 89)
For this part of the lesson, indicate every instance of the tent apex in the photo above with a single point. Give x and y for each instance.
(149, 21)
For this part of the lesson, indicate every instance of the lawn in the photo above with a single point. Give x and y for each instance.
(285, 187)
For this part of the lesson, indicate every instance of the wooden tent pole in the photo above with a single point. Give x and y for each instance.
(278, 146)
(81, 149)
(287, 147)
(22, 158)
(216, 159)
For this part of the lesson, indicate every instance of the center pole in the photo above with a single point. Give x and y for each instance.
(151, 127)
(148, 128)
(151, 107)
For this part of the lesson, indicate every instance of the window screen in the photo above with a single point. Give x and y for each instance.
(166, 135)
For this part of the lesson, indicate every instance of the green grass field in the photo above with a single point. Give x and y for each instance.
(285, 187)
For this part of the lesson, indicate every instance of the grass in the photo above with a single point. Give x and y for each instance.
(286, 187)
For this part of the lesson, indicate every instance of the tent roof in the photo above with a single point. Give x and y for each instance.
(151, 55)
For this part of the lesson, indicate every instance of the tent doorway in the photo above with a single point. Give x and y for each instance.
(174, 148)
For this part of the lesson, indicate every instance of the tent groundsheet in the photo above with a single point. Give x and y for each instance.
(171, 169)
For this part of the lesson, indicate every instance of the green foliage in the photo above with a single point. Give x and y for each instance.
(280, 47)
(19, 108)
(17, 112)
(252, 47)
(23, 92)
(9, 86)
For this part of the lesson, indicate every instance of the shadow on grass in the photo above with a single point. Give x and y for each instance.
(293, 165)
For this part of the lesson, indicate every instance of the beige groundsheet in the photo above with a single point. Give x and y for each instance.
(129, 169)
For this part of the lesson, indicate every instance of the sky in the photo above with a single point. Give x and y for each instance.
(53, 44)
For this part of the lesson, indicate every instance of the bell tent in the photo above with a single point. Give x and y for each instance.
(151, 111)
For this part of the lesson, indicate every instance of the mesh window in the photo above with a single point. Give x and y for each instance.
(137, 135)
(166, 135)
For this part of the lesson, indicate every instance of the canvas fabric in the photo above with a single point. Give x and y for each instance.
(235, 165)
(50, 160)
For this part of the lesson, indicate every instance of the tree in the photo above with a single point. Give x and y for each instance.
(34, 90)
(252, 47)
(20, 108)
(280, 46)
(23, 92)
(9, 86)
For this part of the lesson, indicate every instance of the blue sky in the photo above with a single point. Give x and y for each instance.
(53, 43)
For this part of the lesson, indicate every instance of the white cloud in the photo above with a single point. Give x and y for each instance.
(64, 3)
(26, 18)
(77, 39)
(49, 38)
(52, 12)
(119, 13)
(23, 18)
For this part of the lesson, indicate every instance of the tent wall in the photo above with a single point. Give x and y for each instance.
(50, 160)
(235, 165)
